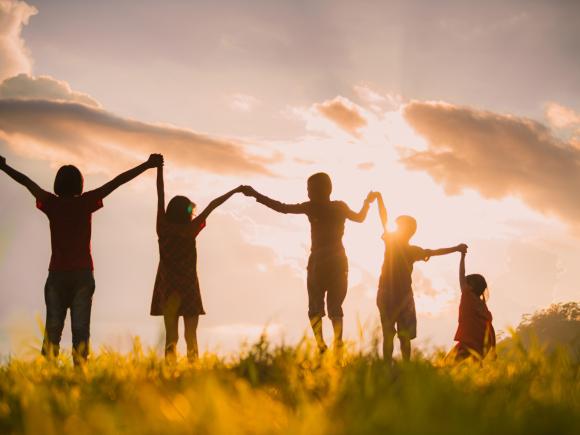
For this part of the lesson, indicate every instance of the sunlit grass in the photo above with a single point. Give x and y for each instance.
(290, 389)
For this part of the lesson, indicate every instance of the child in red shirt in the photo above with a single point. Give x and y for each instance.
(70, 283)
(475, 335)
(177, 292)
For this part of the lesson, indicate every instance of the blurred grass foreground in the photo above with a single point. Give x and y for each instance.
(529, 389)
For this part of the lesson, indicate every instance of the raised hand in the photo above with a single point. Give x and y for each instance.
(462, 248)
(155, 161)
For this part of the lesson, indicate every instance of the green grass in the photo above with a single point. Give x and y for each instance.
(279, 389)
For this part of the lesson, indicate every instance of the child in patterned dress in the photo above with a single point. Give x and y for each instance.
(176, 292)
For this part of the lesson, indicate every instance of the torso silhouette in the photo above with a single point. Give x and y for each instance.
(396, 274)
(475, 329)
(326, 221)
(326, 225)
(70, 229)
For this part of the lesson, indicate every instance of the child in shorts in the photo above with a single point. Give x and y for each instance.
(395, 293)
(327, 272)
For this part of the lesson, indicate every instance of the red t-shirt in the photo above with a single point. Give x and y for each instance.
(70, 230)
(475, 329)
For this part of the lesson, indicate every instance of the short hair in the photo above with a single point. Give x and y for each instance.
(477, 283)
(407, 222)
(179, 210)
(68, 181)
(320, 183)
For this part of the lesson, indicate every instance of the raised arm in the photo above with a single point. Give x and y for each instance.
(462, 281)
(382, 210)
(278, 206)
(20, 178)
(219, 201)
(362, 214)
(160, 196)
(155, 160)
(445, 251)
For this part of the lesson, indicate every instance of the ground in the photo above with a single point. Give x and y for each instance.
(291, 390)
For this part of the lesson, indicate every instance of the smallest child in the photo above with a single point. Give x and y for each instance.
(475, 335)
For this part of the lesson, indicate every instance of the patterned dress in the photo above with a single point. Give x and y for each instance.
(176, 290)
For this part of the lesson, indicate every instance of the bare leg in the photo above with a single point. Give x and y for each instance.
(190, 323)
(405, 348)
(316, 323)
(337, 327)
(171, 335)
(388, 337)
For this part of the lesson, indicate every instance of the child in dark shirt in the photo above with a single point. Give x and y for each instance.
(327, 272)
(395, 294)
(475, 335)
(70, 283)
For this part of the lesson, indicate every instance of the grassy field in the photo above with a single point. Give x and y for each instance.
(291, 390)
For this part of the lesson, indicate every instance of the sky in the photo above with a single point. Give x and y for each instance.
(465, 115)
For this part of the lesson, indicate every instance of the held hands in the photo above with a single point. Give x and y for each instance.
(155, 161)
(372, 196)
(462, 248)
(247, 190)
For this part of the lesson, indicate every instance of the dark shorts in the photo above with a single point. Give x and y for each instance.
(398, 314)
(327, 275)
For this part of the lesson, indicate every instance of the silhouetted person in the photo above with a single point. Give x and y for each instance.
(328, 264)
(176, 292)
(70, 283)
(475, 335)
(395, 295)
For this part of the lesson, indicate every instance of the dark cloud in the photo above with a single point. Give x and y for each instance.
(101, 140)
(497, 155)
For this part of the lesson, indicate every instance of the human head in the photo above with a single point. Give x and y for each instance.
(319, 187)
(180, 210)
(68, 181)
(406, 227)
(477, 283)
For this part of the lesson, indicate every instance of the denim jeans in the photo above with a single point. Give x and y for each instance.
(68, 290)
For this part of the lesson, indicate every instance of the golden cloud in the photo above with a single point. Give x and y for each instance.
(343, 113)
(497, 155)
(27, 87)
(101, 141)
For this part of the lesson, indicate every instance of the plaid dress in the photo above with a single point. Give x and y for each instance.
(176, 290)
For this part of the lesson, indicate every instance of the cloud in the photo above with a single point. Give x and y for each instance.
(343, 113)
(562, 117)
(243, 102)
(376, 101)
(42, 87)
(13, 52)
(101, 141)
(497, 155)
(366, 166)
(42, 117)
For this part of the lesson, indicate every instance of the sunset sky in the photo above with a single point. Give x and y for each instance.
(465, 115)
